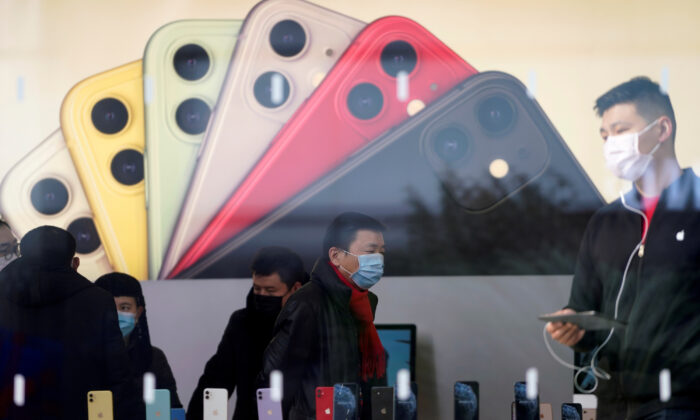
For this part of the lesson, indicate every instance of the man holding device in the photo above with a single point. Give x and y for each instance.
(639, 264)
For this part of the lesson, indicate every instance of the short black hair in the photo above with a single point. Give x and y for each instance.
(647, 97)
(280, 260)
(343, 230)
(122, 284)
(48, 247)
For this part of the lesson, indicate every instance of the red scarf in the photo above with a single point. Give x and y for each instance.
(371, 349)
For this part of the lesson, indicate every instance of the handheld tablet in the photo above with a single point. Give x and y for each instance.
(588, 320)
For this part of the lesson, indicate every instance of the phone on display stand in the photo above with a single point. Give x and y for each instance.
(408, 409)
(450, 184)
(102, 123)
(383, 403)
(177, 414)
(523, 407)
(466, 394)
(324, 403)
(571, 411)
(184, 65)
(284, 49)
(215, 404)
(44, 189)
(160, 408)
(346, 405)
(100, 405)
(268, 409)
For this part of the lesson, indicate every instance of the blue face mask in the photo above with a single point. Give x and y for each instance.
(370, 270)
(127, 322)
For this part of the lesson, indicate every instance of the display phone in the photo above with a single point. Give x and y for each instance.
(184, 66)
(102, 123)
(285, 48)
(268, 409)
(546, 411)
(430, 181)
(177, 414)
(324, 403)
(382, 402)
(589, 414)
(44, 189)
(466, 400)
(346, 401)
(160, 408)
(100, 405)
(392, 67)
(571, 411)
(215, 404)
(407, 409)
(524, 408)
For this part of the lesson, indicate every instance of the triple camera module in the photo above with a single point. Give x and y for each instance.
(495, 115)
(110, 116)
(49, 197)
(192, 63)
(365, 100)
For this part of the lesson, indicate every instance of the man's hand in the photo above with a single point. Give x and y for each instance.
(565, 332)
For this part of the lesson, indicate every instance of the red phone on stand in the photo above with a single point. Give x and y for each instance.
(391, 69)
(324, 403)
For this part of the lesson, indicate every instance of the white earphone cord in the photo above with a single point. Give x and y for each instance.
(599, 373)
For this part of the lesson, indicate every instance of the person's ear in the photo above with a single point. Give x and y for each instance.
(139, 312)
(296, 287)
(334, 254)
(75, 263)
(666, 126)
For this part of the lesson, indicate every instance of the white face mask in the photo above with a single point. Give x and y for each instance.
(622, 154)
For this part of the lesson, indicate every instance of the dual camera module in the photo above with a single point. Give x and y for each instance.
(192, 63)
(49, 197)
(365, 100)
(110, 116)
(495, 115)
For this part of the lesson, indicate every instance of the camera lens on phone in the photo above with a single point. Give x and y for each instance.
(86, 238)
(191, 62)
(192, 116)
(398, 56)
(287, 38)
(271, 89)
(109, 115)
(496, 114)
(49, 196)
(365, 101)
(127, 167)
(451, 144)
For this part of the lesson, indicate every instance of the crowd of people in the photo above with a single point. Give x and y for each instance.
(639, 263)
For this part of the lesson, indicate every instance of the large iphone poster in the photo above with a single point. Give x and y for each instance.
(174, 139)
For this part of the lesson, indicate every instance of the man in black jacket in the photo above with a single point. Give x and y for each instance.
(640, 263)
(61, 333)
(277, 273)
(325, 334)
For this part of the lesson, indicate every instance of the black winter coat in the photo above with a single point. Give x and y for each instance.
(237, 362)
(315, 344)
(61, 332)
(660, 301)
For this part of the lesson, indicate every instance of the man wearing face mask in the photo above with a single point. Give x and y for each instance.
(133, 323)
(326, 334)
(277, 274)
(640, 263)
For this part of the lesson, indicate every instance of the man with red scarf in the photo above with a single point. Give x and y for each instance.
(325, 333)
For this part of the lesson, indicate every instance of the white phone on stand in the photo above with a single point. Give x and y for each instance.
(215, 404)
